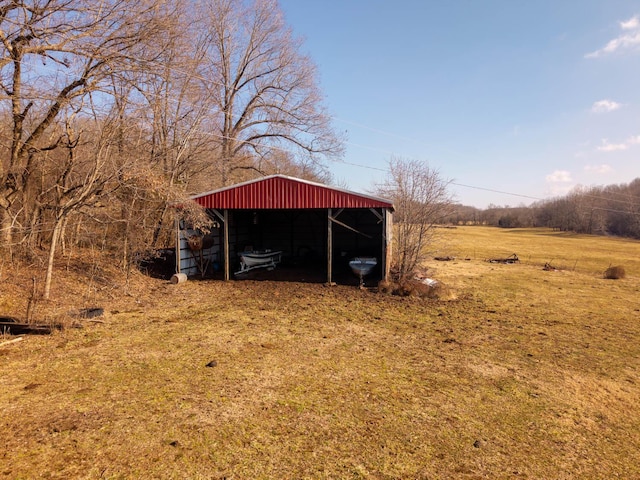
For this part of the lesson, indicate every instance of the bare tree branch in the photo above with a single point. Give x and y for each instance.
(421, 200)
(54, 52)
(264, 87)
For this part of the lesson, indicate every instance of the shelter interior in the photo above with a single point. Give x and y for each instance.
(304, 236)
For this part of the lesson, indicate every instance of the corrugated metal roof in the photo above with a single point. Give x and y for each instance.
(283, 192)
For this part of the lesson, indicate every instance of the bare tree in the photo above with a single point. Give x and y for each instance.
(623, 212)
(421, 200)
(52, 53)
(284, 163)
(81, 177)
(175, 109)
(265, 90)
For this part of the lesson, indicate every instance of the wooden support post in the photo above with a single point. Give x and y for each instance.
(225, 247)
(178, 262)
(387, 243)
(385, 260)
(329, 246)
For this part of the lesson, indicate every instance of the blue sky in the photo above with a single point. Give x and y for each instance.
(527, 97)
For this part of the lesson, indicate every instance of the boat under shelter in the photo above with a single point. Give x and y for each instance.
(314, 228)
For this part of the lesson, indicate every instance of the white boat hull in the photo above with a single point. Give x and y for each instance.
(362, 266)
(252, 260)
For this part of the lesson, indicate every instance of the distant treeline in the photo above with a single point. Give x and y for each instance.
(610, 210)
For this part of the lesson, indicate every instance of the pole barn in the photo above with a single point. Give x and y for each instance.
(307, 225)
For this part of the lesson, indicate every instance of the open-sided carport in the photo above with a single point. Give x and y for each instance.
(314, 226)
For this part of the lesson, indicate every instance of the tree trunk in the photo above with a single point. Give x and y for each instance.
(159, 225)
(63, 234)
(6, 233)
(52, 251)
(35, 236)
(128, 216)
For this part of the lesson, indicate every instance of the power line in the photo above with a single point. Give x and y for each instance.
(194, 75)
(496, 191)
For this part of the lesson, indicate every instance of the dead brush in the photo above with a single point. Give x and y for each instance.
(386, 287)
(409, 288)
(615, 273)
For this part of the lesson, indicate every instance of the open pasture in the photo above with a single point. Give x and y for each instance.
(518, 373)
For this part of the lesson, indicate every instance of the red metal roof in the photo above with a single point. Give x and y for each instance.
(282, 192)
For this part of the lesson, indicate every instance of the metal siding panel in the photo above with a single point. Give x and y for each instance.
(285, 193)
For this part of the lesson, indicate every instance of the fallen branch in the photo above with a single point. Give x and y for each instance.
(19, 339)
(511, 259)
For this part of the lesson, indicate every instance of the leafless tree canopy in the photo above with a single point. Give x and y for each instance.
(265, 90)
(56, 59)
(114, 110)
(421, 200)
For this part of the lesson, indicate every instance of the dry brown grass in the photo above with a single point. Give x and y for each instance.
(525, 374)
(412, 288)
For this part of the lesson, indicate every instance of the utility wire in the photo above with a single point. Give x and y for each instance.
(194, 75)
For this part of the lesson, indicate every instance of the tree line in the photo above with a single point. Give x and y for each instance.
(604, 210)
(112, 111)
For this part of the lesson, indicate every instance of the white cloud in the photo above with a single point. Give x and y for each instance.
(605, 106)
(616, 147)
(558, 189)
(625, 41)
(599, 169)
(559, 176)
(612, 147)
(631, 24)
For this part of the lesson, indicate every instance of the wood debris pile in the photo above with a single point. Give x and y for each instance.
(510, 259)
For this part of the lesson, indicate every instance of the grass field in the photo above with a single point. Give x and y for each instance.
(516, 373)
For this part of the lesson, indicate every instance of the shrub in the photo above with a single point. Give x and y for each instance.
(410, 288)
(385, 287)
(614, 273)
